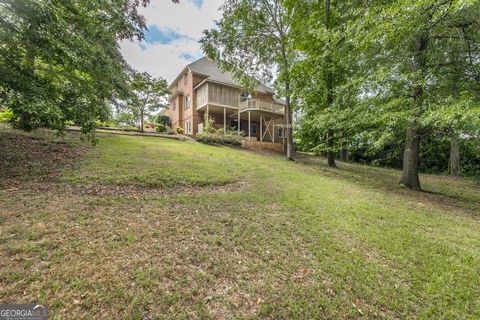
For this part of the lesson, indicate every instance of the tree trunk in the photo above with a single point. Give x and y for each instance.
(454, 168)
(141, 119)
(330, 153)
(288, 118)
(410, 177)
(329, 87)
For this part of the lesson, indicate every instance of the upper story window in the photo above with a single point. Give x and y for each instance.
(174, 106)
(188, 102)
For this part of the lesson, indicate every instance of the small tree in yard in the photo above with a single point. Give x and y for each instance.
(147, 95)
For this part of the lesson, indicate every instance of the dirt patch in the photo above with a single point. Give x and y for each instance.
(36, 158)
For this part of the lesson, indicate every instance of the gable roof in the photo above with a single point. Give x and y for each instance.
(211, 70)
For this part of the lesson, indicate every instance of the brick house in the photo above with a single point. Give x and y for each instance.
(202, 90)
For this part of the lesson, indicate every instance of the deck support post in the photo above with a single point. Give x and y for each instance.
(261, 127)
(249, 126)
(224, 120)
(238, 121)
(273, 129)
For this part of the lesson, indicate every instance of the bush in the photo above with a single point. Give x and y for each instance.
(179, 130)
(160, 127)
(163, 119)
(6, 115)
(229, 138)
(171, 131)
(104, 124)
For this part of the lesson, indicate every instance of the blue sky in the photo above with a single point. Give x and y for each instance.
(197, 3)
(164, 35)
(172, 39)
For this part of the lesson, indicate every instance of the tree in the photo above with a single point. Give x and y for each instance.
(401, 51)
(147, 95)
(253, 41)
(321, 34)
(60, 60)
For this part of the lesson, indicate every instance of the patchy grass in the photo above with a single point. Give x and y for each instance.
(170, 229)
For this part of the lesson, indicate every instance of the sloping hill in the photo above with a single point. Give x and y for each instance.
(144, 228)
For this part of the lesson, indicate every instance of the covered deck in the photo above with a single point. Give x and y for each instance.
(258, 122)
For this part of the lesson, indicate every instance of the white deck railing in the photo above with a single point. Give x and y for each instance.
(262, 105)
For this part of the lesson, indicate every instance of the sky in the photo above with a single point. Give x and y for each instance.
(172, 39)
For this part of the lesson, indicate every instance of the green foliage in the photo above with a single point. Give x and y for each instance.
(146, 96)
(416, 67)
(209, 124)
(179, 130)
(104, 124)
(6, 115)
(160, 127)
(60, 60)
(220, 137)
(126, 118)
(165, 120)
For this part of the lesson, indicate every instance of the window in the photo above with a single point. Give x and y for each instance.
(187, 102)
(188, 127)
(174, 106)
(185, 78)
(280, 132)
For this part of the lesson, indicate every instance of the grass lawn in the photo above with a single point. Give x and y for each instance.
(151, 228)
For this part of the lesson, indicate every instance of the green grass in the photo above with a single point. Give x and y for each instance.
(193, 231)
(149, 163)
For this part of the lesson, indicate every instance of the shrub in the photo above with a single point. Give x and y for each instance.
(104, 124)
(160, 127)
(179, 130)
(6, 115)
(208, 124)
(228, 138)
(163, 119)
(171, 131)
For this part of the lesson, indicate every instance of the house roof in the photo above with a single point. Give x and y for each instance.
(211, 70)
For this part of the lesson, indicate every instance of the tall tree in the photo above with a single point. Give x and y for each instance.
(401, 50)
(253, 40)
(321, 34)
(147, 96)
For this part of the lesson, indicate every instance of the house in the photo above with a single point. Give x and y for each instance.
(202, 90)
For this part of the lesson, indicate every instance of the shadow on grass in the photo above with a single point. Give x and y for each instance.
(438, 191)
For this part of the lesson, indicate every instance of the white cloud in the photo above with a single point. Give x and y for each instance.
(166, 60)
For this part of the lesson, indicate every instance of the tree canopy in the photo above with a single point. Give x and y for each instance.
(60, 60)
